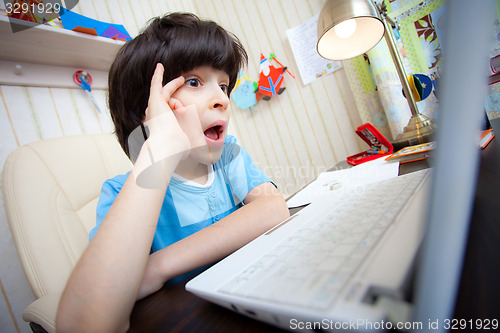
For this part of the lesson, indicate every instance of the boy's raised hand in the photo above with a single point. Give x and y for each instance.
(166, 135)
(167, 143)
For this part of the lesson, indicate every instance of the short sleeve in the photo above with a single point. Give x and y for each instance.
(241, 172)
(109, 191)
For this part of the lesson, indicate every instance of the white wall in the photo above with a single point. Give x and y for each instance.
(293, 137)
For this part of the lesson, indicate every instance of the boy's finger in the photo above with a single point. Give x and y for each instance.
(157, 80)
(172, 86)
(175, 104)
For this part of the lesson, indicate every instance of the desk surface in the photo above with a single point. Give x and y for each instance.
(480, 288)
(173, 309)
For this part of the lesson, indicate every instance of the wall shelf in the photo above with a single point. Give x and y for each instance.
(49, 45)
(44, 45)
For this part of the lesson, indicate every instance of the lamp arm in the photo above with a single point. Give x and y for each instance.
(391, 22)
(389, 38)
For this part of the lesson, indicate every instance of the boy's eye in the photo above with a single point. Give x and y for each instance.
(224, 88)
(192, 83)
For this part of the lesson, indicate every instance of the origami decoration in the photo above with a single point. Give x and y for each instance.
(31, 10)
(244, 92)
(35, 11)
(420, 85)
(80, 23)
(270, 78)
(248, 93)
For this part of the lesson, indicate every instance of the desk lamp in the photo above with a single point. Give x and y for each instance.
(349, 28)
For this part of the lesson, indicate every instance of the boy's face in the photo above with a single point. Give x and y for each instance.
(206, 90)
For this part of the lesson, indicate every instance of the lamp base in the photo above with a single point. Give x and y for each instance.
(420, 129)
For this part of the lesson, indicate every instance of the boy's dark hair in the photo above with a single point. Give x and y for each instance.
(181, 42)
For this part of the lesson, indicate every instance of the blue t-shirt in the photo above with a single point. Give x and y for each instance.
(189, 207)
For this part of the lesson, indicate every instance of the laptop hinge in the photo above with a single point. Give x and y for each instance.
(398, 311)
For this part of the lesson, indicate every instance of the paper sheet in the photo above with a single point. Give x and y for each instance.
(303, 40)
(359, 175)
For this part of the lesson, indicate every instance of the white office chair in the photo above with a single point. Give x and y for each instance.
(50, 190)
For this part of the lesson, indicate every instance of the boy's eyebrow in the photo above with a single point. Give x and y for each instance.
(194, 73)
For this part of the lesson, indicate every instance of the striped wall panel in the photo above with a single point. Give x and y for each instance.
(293, 137)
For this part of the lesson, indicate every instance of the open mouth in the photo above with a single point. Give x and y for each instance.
(214, 133)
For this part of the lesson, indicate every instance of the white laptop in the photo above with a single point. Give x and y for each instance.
(334, 260)
(347, 262)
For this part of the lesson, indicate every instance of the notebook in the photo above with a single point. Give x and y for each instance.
(399, 271)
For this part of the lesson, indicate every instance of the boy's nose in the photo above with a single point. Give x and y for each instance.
(219, 99)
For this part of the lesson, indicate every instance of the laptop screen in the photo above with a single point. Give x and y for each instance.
(462, 96)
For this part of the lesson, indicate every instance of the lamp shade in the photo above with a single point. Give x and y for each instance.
(348, 28)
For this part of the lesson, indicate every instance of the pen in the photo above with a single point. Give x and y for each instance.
(374, 152)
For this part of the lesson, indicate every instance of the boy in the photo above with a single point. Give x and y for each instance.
(193, 195)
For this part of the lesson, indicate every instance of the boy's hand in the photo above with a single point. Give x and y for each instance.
(166, 135)
(167, 143)
(187, 115)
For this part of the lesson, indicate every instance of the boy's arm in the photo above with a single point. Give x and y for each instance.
(103, 286)
(264, 208)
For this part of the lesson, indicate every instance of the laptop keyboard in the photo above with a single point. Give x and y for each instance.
(312, 265)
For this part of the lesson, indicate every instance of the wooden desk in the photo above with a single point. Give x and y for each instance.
(480, 285)
(173, 309)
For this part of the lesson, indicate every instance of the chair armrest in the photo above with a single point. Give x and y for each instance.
(43, 311)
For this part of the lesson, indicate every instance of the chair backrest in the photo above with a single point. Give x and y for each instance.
(50, 190)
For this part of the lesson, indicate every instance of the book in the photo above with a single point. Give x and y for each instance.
(486, 137)
(424, 150)
(413, 153)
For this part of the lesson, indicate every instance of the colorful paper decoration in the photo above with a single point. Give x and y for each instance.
(35, 11)
(80, 23)
(244, 92)
(420, 85)
(270, 78)
(248, 93)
